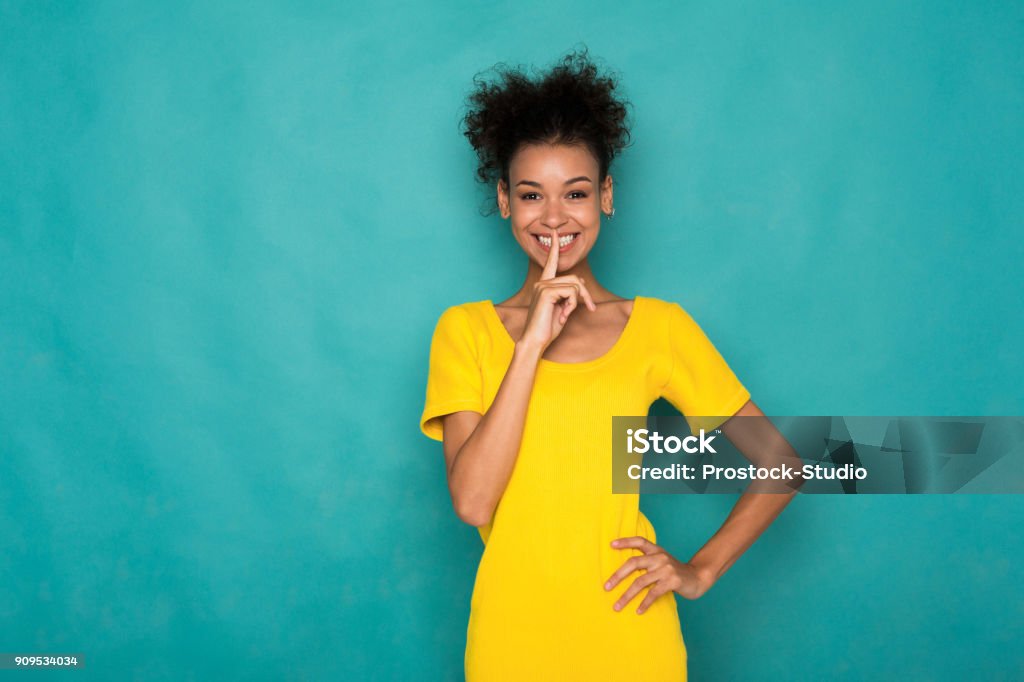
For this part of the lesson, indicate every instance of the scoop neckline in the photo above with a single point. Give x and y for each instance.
(572, 366)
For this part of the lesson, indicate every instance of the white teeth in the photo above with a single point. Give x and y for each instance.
(562, 241)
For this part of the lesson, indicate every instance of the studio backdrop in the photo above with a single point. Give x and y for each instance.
(227, 231)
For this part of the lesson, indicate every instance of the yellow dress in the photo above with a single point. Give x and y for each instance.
(539, 610)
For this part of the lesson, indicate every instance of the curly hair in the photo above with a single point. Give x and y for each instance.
(571, 104)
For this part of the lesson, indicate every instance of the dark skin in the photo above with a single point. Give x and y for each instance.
(555, 191)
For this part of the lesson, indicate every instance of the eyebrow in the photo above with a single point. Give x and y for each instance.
(567, 182)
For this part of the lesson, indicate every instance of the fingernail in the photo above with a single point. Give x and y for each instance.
(607, 586)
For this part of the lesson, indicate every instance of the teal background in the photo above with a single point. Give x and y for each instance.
(226, 233)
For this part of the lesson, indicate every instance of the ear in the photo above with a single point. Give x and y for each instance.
(503, 203)
(606, 195)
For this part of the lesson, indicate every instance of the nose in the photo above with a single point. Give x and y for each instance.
(553, 215)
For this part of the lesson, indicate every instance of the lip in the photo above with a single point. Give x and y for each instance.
(562, 249)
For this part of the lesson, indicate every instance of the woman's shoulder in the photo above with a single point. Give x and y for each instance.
(665, 313)
(659, 305)
(469, 314)
(468, 307)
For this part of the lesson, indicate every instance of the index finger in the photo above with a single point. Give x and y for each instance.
(635, 541)
(551, 266)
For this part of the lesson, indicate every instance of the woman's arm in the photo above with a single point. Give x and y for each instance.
(758, 439)
(480, 450)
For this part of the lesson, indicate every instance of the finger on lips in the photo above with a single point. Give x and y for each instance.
(551, 265)
(551, 269)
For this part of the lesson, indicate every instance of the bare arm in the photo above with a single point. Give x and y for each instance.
(480, 450)
(758, 439)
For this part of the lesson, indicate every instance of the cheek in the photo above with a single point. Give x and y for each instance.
(587, 212)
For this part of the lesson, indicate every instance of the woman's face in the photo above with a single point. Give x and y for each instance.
(555, 186)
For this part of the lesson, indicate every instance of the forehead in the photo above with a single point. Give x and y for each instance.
(539, 161)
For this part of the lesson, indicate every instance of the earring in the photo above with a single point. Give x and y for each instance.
(612, 214)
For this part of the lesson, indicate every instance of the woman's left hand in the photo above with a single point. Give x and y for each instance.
(663, 573)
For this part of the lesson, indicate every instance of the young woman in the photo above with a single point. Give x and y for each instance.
(571, 584)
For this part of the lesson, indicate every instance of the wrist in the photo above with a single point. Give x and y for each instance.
(707, 576)
(527, 350)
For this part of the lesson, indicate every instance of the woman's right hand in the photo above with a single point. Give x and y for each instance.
(554, 298)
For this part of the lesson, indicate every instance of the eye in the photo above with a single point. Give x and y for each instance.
(528, 194)
(583, 195)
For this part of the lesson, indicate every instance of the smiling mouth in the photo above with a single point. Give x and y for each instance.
(565, 243)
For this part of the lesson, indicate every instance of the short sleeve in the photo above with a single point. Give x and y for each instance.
(453, 382)
(701, 384)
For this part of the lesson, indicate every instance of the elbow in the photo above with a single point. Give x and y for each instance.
(471, 504)
(473, 513)
(475, 520)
